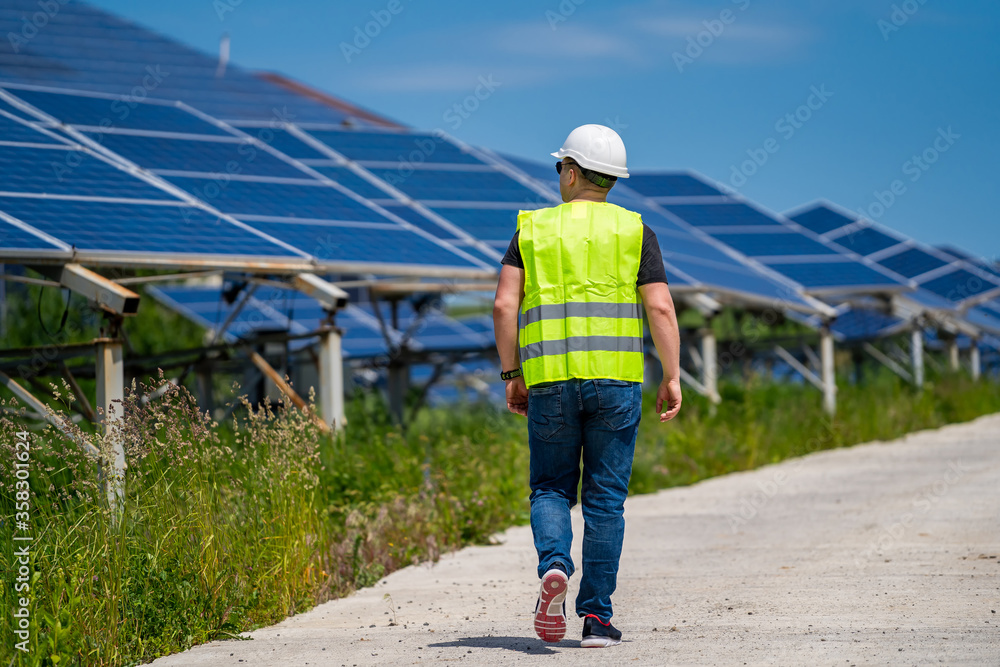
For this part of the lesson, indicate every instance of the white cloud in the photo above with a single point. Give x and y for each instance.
(448, 77)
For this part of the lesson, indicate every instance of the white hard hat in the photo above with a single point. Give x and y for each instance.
(596, 147)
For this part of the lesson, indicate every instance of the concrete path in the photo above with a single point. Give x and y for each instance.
(881, 554)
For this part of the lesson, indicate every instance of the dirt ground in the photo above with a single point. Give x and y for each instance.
(879, 554)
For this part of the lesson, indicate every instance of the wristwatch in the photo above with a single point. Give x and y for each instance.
(510, 375)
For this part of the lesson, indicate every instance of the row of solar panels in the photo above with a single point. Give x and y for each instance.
(342, 200)
(170, 180)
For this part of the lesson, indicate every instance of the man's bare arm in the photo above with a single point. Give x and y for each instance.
(662, 319)
(506, 308)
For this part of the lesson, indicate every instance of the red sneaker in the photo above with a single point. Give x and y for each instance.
(550, 612)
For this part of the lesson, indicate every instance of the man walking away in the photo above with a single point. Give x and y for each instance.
(569, 332)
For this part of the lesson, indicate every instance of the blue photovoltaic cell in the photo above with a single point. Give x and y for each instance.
(736, 279)
(674, 278)
(67, 172)
(911, 263)
(717, 215)
(956, 252)
(17, 238)
(215, 157)
(125, 113)
(675, 244)
(759, 245)
(393, 147)
(90, 225)
(540, 171)
(822, 220)
(834, 274)
(866, 241)
(434, 185)
(958, 285)
(11, 130)
(278, 199)
(864, 324)
(417, 219)
(349, 179)
(489, 224)
(11, 109)
(332, 243)
(285, 142)
(670, 185)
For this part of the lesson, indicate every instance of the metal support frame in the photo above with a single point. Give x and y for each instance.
(829, 371)
(328, 294)
(917, 355)
(110, 393)
(107, 294)
(826, 381)
(710, 365)
(44, 413)
(975, 360)
(953, 359)
(285, 388)
(331, 378)
(887, 361)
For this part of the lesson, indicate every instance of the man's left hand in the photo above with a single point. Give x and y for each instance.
(517, 396)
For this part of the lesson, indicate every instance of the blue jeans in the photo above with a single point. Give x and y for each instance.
(596, 420)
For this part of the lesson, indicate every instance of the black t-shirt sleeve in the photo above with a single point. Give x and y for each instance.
(651, 261)
(513, 255)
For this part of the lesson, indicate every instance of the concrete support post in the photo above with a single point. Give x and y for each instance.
(710, 365)
(975, 361)
(917, 354)
(111, 388)
(828, 371)
(331, 378)
(953, 361)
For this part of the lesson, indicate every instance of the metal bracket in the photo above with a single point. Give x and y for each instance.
(107, 294)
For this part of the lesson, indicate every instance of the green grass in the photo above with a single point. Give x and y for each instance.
(232, 526)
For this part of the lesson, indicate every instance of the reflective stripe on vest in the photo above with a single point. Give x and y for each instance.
(580, 317)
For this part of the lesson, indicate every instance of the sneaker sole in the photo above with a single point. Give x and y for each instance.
(551, 627)
(599, 642)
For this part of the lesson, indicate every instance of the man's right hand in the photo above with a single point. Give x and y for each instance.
(669, 393)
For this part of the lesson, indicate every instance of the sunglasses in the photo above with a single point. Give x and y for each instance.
(561, 164)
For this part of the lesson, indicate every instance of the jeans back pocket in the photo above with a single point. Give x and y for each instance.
(545, 415)
(616, 401)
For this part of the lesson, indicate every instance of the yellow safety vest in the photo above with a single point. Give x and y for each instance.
(581, 316)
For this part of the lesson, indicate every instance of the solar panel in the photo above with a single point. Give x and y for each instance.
(670, 185)
(404, 148)
(439, 185)
(865, 241)
(491, 224)
(820, 220)
(62, 171)
(721, 215)
(829, 275)
(311, 200)
(285, 142)
(83, 47)
(232, 156)
(125, 227)
(11, 130)
(790, 243)
(941, 275)
(349, 179)
(912, 262)
(858, 325)
(15, 238)
(270, 191)
(116, 111)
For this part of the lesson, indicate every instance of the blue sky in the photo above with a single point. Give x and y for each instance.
(869, 84)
